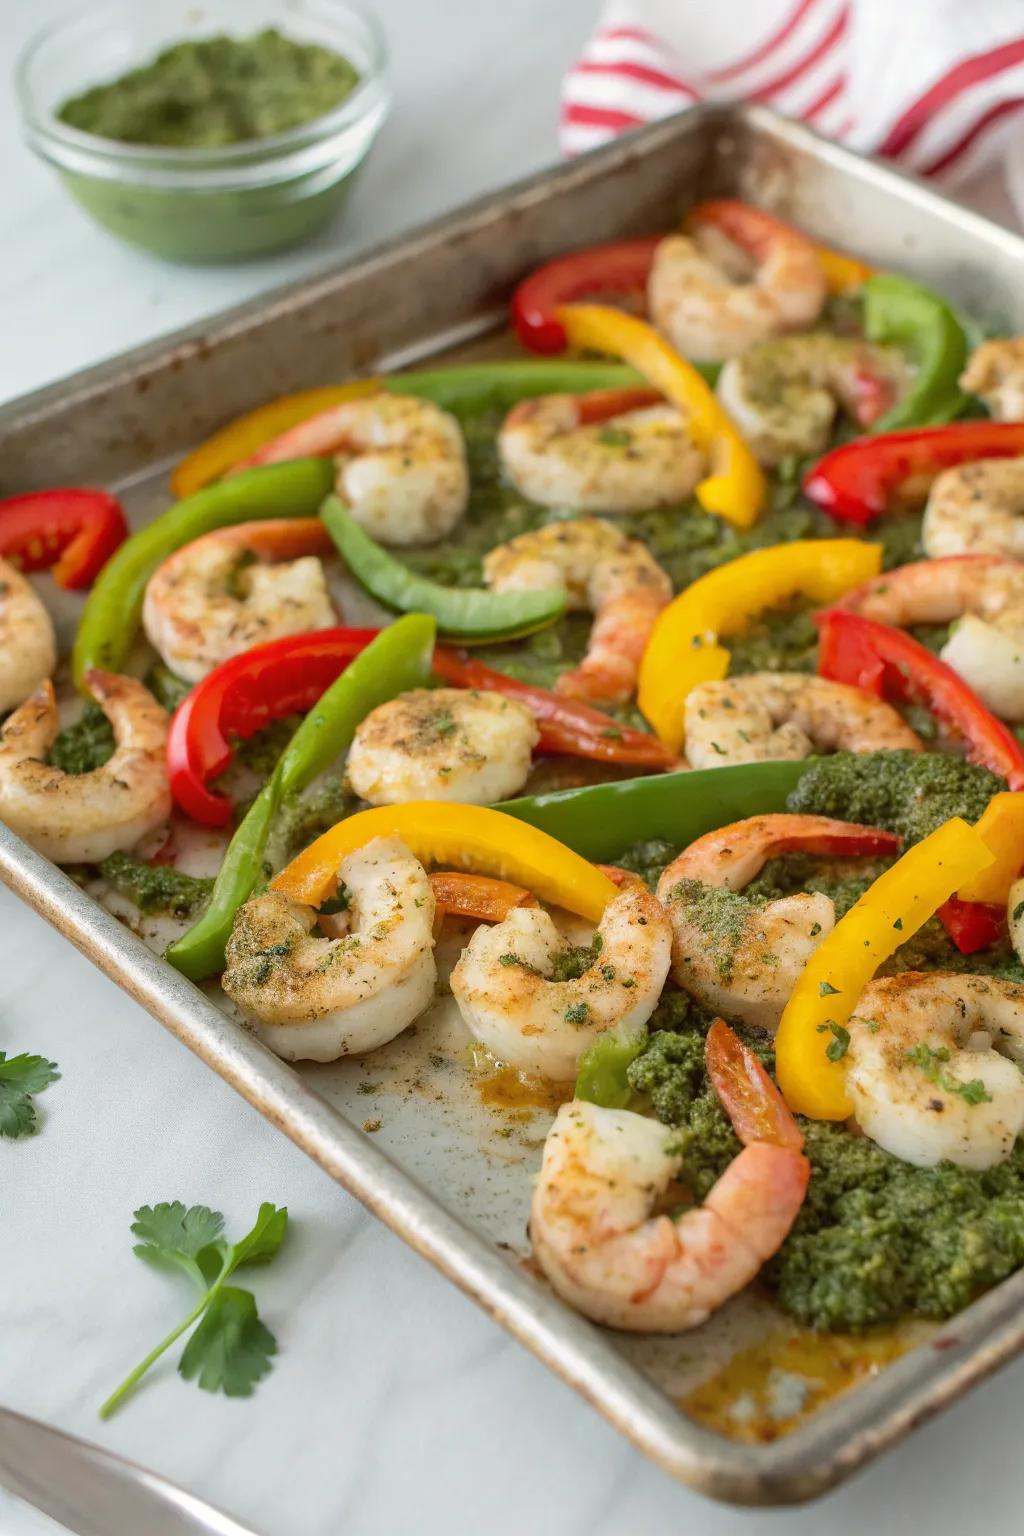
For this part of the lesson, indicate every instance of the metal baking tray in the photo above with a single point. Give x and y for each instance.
(447, 1171)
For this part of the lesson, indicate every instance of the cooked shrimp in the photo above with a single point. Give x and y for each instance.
(985, 594)
(995, 373)
(401, 464)
(617, 578)
(315, 998)
(766, 716)
(503, 988)
(740, 279)
(81, 818)
(934, 1067)
(784, 394)
(220, 595)
(28, 646)
(976, 509)
(614, 451)
(443, 744)
(604, 1172)
(736, 956)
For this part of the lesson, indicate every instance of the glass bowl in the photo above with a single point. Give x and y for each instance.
(214, 204)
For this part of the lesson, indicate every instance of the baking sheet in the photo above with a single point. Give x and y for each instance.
(432, 1141)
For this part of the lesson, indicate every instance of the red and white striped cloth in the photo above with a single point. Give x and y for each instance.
(937, 85)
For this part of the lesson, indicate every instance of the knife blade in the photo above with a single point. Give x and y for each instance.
(95, 1493)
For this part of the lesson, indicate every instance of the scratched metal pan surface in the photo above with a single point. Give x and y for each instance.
(449, 1154)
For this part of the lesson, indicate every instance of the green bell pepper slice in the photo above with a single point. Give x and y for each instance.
(602, 1072)
(498, 386)
(469, 614)
(601, 820)
(902, 313)
(113, 609)
(398, 659)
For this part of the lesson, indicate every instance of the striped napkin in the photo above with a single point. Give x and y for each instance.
(937, 85)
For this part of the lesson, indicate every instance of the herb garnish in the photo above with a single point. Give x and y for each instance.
(21, 1077)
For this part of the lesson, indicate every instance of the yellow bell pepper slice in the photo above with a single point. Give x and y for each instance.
(842, 273)
(467, 837)
(735, 489)
(891, 911)
(683, 650)
(245, 434)
(1002, 829)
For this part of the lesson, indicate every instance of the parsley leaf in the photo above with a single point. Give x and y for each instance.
(230, 1350)
(21, 1077)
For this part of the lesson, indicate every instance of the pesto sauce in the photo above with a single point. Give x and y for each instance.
(85, 745)
(876, 1239)
(216, 91)
(156, 887)
(911, 793)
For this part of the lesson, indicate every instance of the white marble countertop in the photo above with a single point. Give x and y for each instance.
(394, 1405)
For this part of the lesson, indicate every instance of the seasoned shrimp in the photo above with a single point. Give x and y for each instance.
(976, 509)
(614, 451)
(784, 394)
(443, 744)
(220, 595)
(742, 958)
(503, 988)
(985, 595)
(934, 1067)
(28, 646)
(740, 279)
(995, 373)
(313, 997)
(401, 463)
(593, 1224)
(81, 818)
(766, 716)
(617, 578)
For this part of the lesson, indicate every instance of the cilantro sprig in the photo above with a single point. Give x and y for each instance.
(230, 1350)
(21, 1077)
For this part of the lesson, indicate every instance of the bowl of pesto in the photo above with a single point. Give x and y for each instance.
(210, 132)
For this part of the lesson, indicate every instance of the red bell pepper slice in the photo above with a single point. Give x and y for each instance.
(283, 677)
(891, 664)
(566, 726)
(858, 481)
(972, 925)
(603, 271)
(71, 531)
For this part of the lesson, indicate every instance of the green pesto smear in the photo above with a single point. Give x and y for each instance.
(215, 92)
(156, 887)
(876, 1240)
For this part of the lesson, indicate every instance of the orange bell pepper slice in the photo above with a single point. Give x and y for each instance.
(490, 901)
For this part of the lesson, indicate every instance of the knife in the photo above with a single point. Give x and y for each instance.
(94, 1493)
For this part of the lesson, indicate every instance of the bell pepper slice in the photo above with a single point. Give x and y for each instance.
(1002, 828)
(684, 651)
(619, 269)
(468, 837)
(600, 820)
(566, 725)
(241, 437)
(743, 223)
(239, 698)
(467, 614)
(395, 660)
(735, 488)
(972, 925)
(811, 1038)
(900, 312)
(601, 1078)
(479, 896)
(892, 664)
(473, 387)
(861, 480)
(110, 621)
(71, 531)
